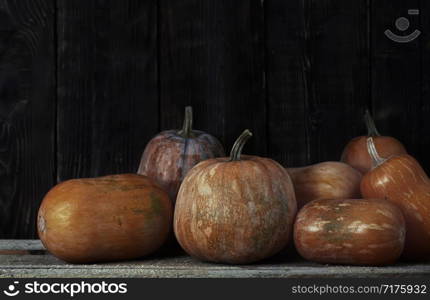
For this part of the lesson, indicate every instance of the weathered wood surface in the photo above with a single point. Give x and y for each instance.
(31, 245)
(212, 57)
(182, 266)
(337, 74)
(27, 112)
(287, 69)
(107, 85)
(185, 266)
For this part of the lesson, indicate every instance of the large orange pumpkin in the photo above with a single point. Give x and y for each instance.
(236, 209)
(107, 218)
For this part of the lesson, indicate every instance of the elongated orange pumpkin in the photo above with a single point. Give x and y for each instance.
(106, 218)
(401, 180)
(169, 155)
(356, 155)
(326, 180)
(350, 231)
(236, 209)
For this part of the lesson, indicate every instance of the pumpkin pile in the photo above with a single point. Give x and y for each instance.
(370, 208)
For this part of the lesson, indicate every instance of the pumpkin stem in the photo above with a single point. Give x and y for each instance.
(370, 124)
(187, 128)
(236, 150)
(374, 155)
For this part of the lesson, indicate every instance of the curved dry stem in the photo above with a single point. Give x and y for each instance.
(374, 155)
(236, 150)
(187, 128)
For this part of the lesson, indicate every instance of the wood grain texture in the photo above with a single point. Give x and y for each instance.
(396, 77)
(287, 92)
(211, 57)
(337, 80)
(183, 266)
(27, 112)
(107, 85)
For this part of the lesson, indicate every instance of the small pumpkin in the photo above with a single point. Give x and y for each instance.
(171, 154)
(236, 209)
(107, 218)
(350, 231)
(356, 155)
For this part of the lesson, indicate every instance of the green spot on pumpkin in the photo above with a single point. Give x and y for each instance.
(335, 231)
(332, 227)
(156, 207)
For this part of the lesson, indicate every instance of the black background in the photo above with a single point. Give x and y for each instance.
(85, 84)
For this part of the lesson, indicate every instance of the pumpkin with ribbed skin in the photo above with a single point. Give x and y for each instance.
(171, 154)
(236, 209)
(350, 231)
(106, 218)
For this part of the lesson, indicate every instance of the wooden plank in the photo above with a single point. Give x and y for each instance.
(181, 269)
(27, 112)
(337, 50)
(31, 245)
(396, 77)
(286, 68)
(107, 85)
(211, 57)
(183, 266)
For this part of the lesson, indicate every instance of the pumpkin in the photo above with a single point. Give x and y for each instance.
(401, 180)
(356, 155)
(350, 231)
(326, 180)
(107, 218)
(171, 154)
(236, 209)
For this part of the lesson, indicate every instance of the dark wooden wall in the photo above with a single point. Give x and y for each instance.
(85, 84)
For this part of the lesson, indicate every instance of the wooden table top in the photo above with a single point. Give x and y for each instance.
(28, 258)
